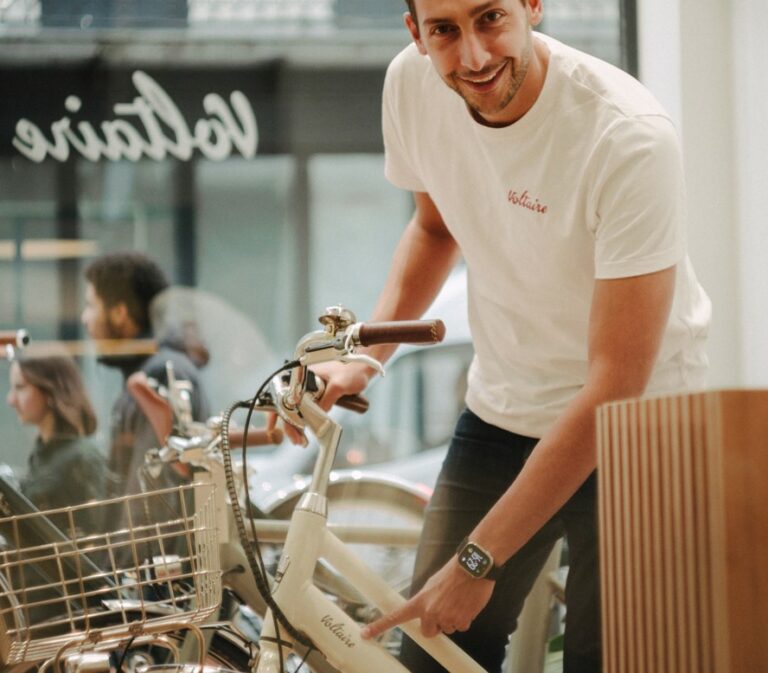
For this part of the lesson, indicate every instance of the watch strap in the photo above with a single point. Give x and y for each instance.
(494, 573)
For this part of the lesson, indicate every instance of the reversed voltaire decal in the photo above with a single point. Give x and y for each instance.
(150, 126)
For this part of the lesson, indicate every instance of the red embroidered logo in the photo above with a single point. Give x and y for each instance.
(524, 200)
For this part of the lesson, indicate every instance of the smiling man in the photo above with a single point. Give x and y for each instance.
(497, 72)
(559, 180)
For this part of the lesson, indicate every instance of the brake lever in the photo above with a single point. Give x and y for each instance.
(366, 359)
(318, 351)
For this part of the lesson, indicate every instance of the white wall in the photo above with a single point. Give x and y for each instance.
(704, 60)
(750, 59)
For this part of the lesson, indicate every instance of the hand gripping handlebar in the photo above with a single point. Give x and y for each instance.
(357, 403)
(398, 332)
(338, 342)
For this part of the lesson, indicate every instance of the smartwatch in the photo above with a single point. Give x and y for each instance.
(476, 561)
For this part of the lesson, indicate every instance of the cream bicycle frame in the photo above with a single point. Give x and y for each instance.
(333, 632)
(232, 554)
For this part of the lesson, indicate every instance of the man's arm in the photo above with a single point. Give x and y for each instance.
(627, 322)
(423, 258)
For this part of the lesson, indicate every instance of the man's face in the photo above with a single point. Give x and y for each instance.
(95, 316)
(480, 49)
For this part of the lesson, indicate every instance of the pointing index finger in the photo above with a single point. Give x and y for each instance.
(402, 614)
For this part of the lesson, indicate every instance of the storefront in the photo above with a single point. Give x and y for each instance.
(242, 152)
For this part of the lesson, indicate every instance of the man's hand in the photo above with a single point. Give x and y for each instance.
(340, 379)
(156, 408)
(448, 602)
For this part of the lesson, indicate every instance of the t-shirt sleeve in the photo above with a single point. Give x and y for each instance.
(399, 164)
(638, 199)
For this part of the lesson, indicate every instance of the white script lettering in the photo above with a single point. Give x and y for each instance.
(162, 129)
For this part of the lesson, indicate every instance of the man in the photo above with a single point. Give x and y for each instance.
(120, 290)
(559, 179)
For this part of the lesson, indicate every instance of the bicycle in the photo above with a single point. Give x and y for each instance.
(407, 503)
(103, 631)
(334, 633)
(297, 606)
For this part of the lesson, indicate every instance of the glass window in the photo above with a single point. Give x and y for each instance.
(354, 216)
(256, 240)
(413, 408)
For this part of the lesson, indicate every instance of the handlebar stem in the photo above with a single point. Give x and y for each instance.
(328, 434)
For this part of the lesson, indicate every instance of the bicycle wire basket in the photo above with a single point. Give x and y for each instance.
(62, 579)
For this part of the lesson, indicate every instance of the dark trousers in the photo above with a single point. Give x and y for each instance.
(482, 462)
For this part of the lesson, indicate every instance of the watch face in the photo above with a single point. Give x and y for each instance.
(474, 560)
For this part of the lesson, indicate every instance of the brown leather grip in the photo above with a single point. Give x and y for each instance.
(256, 437)
(402, 332)
(356, 403)
(16, 338)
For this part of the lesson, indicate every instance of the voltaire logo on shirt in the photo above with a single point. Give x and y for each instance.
(525, 200)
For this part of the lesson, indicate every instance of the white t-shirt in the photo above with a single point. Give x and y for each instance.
(587, 185)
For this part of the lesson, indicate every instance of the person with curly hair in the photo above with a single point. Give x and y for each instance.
(121, 290)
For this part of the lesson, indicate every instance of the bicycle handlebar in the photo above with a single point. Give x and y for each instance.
(17, 339)
(357, 403)
(338, 342)
(400, 332)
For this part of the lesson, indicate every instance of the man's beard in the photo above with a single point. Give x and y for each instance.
(517, 72)
(112, 331)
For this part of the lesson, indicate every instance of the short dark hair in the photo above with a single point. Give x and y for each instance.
(412, 8)
(58, 379)
(129, 277)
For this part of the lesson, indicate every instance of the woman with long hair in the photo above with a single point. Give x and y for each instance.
(65, 467)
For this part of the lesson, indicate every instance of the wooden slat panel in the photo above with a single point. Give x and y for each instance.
(654, 579)
(684, 533)
(667, 539)
(744, 466)
(701, 528)
(635, 537)
(650, 660)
